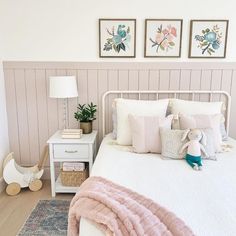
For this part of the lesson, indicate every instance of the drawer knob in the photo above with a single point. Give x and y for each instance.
(71, 151)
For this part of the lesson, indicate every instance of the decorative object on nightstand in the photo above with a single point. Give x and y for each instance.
(70, 150)
(86, 114)
(63, 87)
(72, 133)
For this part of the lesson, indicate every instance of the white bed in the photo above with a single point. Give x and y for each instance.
(205, 200)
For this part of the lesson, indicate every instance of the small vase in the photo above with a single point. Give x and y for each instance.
(87, 127)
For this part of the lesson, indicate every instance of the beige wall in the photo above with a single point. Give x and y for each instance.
(67, 30)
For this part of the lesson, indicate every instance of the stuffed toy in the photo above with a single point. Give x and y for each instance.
(194, 147)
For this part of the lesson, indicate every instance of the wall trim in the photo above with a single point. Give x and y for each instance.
(101, 65)
(2, 184)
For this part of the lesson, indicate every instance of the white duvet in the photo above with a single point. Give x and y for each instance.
(205, 200)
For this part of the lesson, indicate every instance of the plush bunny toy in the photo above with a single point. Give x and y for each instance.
(194, 147)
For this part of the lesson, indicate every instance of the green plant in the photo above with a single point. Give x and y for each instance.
(85, 112)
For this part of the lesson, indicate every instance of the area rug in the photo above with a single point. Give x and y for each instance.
(49, 217)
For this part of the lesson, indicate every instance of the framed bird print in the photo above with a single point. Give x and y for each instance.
(208, 38)
(163, 37)
(117, 37)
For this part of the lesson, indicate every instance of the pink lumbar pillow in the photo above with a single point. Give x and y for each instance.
(146, 132)
(203, 122)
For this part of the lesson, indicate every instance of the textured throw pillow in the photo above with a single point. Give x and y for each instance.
(146, 132)
(135, 107)
(203, 122)
(172, 144)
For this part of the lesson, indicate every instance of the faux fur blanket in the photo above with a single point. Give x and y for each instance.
(119, 211)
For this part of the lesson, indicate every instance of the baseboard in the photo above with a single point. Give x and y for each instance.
(2, 184)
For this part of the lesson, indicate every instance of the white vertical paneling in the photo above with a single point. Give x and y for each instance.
(22, 115)
(164, 82)
(205, 84)
(196, 82)
(42, 110)
(33, 116)
(133, 83)
(153, 82)
(174, 79)
(12, 114)
(123, 81)
(144, 82)
(184, 83)
(93, 91)
(216, 83)
(33, 129)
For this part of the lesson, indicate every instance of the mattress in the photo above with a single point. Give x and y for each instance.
(205, 200)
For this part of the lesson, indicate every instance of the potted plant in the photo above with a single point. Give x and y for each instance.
(86, 114)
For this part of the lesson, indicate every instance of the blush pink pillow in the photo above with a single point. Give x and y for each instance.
(146, 132)
(203, 122)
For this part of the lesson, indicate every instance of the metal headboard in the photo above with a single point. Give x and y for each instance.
(192, 93)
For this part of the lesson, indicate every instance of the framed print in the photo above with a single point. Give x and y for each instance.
(163, 37)
(208, 38)
(117, 37)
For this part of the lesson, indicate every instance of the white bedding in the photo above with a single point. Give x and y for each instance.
(205, 200)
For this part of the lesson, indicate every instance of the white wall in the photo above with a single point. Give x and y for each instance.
(4, 142)
(68, 29)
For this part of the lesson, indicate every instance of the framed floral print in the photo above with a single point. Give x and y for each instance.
(117, 37)
(163, 37)
(208, 38)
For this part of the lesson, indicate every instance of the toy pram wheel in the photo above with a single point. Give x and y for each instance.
(35, 185)
(13, 189)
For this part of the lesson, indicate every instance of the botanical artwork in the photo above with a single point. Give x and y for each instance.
(117, 38)
(208, 38)
(163, 38)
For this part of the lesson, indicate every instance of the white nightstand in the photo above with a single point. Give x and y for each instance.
(62, 150)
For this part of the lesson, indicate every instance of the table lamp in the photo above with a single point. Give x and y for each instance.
(63, 87)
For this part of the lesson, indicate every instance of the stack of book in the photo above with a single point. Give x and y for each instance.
(73, 166)
(72, 133)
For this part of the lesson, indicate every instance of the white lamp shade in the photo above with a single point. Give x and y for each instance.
(62, 87)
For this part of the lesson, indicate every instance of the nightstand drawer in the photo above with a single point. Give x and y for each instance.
(71, 151)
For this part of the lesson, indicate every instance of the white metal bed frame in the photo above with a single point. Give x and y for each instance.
(121, 93)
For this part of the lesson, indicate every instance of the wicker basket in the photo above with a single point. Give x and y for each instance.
(73, 178)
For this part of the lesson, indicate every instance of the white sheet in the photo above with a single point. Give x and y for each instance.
(205, 200)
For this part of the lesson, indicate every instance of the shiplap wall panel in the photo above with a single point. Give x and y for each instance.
(33, 116)
(41, 93)
(22, 115)
(11, 103)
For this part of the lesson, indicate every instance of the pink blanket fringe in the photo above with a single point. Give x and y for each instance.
(119, 211)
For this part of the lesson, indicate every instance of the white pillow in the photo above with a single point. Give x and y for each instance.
(194, 107)
(135, 107)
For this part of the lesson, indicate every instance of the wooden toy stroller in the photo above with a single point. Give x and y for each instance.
(18, 177)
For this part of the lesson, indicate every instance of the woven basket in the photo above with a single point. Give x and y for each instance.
(73, 178)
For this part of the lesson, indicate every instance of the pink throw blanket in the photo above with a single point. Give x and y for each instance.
(119, 211)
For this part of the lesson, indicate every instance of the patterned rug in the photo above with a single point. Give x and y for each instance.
(48, 218)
